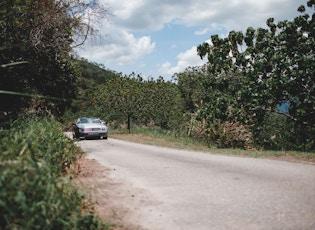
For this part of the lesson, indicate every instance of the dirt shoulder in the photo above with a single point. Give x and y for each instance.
(115, 201)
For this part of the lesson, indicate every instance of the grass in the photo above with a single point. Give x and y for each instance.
(36, 188)
(163, 138)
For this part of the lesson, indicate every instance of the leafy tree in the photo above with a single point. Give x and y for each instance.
(91, 75)
(167, 104)
(127, 98)
(191, 87)
(276, 67)
(120, 98)
(222, 119)
(36, 39)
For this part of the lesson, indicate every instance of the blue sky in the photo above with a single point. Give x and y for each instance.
(159, 37)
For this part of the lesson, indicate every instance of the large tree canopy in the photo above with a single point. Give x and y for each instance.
(36, 40)
(253, 73)
(127, 98)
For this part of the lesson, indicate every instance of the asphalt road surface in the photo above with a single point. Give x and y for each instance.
(194, 190)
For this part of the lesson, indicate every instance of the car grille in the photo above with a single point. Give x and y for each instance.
(96, 129)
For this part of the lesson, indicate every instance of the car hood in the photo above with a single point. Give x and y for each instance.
(91, 126)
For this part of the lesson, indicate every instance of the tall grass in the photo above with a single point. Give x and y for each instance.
(41, 140)
(159, 136)
(35, 191)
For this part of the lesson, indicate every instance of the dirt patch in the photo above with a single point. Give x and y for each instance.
(115, 201)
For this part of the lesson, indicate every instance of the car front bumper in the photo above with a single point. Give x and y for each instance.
(91, 134)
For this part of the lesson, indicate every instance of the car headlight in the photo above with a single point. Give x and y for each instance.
(81, 130)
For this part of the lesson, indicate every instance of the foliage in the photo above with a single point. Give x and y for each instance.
(276, 67)
(92, 75)
(214, 108)
(275, 133)
(167, 138)
(223, 134)
(230, 134)
(197, 128)
(165, 103)
(36, 40)
(233, 101)
(120, 98)
(127, 98)
(192, 89)
(34, 194)
(41, 140)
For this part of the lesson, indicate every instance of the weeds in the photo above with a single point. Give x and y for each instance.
(35, 191)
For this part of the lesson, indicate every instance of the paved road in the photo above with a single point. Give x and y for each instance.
(193, 190)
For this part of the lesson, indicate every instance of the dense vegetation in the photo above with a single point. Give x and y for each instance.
(250, 76)
(39, 78)
(257, 90)
(37, 67)
(36, 193)
(91, 76)
(151, 102)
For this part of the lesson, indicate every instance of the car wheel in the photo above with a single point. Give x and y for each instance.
(75, 136)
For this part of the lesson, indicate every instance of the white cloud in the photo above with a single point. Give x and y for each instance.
(202, 31)
(118, 48)
(140, 15)
(185, 59)
(127, 41)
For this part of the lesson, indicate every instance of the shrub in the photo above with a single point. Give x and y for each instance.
(197, 128)
(224, 134)
(229, 134)
(42, 140)
(274, 133)
(33, 197)
(35, 193)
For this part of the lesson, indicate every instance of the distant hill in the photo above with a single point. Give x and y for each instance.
(91, 76)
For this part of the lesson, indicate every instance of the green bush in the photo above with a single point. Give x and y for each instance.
(33, 198)
(275, 132)
(278, 132)
(35, 192)
(42, 140)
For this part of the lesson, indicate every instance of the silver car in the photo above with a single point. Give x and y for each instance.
(89, 128)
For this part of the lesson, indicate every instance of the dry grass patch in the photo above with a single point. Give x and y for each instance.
(190, 144)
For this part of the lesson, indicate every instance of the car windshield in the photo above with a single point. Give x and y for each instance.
(89, 120)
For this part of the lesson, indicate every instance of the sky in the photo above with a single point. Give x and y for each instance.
(155, 38)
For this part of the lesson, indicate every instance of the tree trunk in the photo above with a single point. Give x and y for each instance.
(128, 123)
